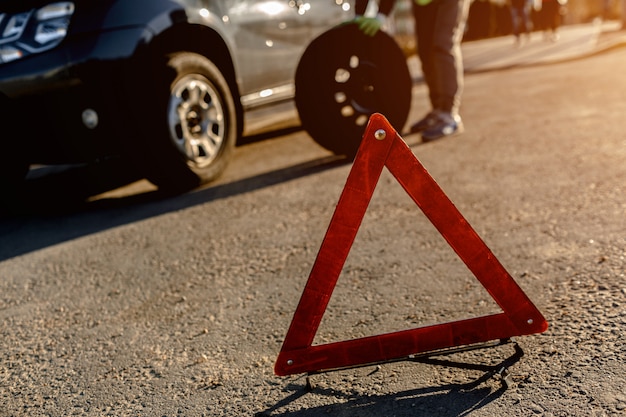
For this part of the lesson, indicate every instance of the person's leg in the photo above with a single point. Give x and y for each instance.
(446, 55)
(443, 55)
(424, 32)
(515, 21)
(424, 29)
(439, 28)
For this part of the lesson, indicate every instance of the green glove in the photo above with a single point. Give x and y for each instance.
(368, 25)
(423, 2)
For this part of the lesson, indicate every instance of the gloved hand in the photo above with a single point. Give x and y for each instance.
(370, 25)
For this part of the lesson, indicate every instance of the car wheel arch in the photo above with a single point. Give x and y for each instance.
(206, 42)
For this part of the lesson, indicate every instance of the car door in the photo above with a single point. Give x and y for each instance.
(270, 36)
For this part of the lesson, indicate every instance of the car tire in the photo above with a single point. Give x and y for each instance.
(192, 141)
(345, 76)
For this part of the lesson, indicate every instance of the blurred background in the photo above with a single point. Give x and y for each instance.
(491, 18)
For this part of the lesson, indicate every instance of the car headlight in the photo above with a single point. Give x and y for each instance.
(34, 31)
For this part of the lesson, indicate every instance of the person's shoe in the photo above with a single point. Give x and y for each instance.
(447, 125)
(426, 122)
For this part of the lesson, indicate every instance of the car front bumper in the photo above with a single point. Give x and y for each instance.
(71, 104)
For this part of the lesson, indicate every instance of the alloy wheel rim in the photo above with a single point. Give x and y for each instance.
(196, 120)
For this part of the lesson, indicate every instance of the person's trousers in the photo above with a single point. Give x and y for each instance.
(439, 28)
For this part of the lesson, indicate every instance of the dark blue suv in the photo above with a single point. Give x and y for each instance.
(164, 82)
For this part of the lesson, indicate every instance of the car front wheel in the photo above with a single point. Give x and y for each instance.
(193, 141)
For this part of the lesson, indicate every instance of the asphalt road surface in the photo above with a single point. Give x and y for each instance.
(124, 302)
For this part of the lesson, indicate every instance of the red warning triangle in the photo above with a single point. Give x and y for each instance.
(382, 146)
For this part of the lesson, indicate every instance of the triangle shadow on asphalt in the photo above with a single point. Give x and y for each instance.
(449, 400)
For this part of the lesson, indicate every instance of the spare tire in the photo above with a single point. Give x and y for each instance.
(343, 77)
